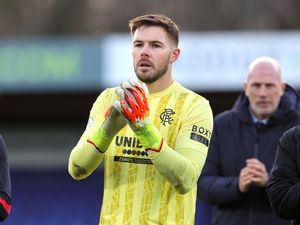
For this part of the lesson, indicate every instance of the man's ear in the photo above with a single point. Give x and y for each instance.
(175, 54)
(283, 86)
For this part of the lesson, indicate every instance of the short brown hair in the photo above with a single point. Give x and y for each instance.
(156, 20)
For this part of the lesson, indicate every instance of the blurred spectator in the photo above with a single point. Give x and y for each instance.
(284, 185)
(5, 187)
(243, 148)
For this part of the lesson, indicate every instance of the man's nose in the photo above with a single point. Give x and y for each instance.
(262, 91)
(145, 51)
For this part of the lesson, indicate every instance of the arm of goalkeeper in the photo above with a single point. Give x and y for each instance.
(88, 153)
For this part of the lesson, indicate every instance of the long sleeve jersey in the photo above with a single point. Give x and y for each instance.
(157, 188)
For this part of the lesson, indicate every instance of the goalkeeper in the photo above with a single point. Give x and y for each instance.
(152, 134)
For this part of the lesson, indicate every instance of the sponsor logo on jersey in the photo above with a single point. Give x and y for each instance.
(166, 116)
(133, 151)
(200, 134)
(132, 160)
(130, 142)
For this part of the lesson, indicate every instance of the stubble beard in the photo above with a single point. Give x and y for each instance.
(151, 78)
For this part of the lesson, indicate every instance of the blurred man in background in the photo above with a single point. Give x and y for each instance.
(243, 148)
(284, 185)
(5, 186)
(153, 146)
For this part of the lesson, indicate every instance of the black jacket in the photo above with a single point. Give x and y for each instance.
(235, 138)
(5, 186)
(284, 184)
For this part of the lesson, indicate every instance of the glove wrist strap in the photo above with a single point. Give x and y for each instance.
(100, 140)
(150, 138)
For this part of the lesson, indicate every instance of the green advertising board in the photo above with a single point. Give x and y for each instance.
(50, 65)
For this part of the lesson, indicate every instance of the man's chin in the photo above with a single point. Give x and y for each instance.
(145, 78)
(265, 114)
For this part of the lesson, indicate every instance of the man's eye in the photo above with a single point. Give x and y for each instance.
(156, 45)
(270, 85)
(137, 45)
(256, 85)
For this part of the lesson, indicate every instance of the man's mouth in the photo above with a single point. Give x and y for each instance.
(145, 64)
(262, 104)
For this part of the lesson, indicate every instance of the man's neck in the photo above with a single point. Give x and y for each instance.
(161, 84)
(255, 119)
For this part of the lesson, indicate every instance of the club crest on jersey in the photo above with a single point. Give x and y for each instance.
(166, 117)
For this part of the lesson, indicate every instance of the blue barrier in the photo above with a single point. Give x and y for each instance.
(54, 198)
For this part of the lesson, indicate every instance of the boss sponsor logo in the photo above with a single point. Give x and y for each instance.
(199, 138)
(201, 130)
(200, 134)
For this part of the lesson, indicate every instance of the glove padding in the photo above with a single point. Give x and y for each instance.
(113, 123)
(133, 103)
(134, 107)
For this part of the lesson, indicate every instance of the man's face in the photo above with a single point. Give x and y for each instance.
(153, 53)
(264, 89)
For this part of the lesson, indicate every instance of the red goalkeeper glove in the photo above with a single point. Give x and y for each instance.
(133, 105)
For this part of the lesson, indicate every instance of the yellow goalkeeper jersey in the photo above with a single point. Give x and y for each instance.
(136, 192)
